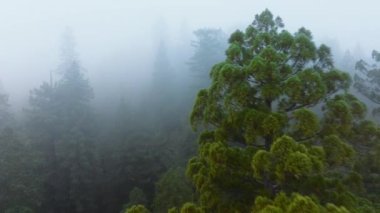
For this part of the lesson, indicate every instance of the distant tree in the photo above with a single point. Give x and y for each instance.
(209, 47)
(347, 62)
(161, 103)
(367, 82)
(260, 134)
(367, 79)
(61, 125)
(5, 115)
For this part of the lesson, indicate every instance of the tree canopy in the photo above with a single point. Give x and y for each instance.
(277, 117)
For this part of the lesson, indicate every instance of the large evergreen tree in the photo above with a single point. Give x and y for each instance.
(276, 118)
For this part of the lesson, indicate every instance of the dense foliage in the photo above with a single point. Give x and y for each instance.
(276, 118)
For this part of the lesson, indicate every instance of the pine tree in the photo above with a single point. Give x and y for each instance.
(61, 125)
(276, 118)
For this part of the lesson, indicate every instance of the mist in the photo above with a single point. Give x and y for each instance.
(116, 40)
(136, 106)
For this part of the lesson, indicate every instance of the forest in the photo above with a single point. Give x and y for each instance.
(266, 120)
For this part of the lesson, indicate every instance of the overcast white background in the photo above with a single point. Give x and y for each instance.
(119, 36)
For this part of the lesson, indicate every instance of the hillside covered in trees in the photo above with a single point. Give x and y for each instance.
(263, 121)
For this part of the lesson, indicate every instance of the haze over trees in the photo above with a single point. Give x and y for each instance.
(273, 128)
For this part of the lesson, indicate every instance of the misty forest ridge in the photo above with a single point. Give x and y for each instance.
(230, 111)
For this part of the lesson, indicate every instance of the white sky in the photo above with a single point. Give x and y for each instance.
(120, 33)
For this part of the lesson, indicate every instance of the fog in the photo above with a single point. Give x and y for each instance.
(99, 109)
(116, 39)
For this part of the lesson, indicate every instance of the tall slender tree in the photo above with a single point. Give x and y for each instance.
(61, 122)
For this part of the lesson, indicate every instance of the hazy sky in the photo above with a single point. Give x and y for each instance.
(119, 36)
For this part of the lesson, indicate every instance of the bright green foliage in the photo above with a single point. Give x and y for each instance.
(137, 209)
(286, 160)
(262, 134)
(331, 208)
(295, 203)
(190, 208)
(172, 190)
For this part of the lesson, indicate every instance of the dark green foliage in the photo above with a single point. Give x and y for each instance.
(172, 190)
(20, 189)
(367, 82)
(133, 162)
(136, 197)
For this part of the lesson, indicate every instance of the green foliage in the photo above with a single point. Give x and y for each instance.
(285, 160)
(190, 208)
(337, 151)
(136, 197)
(137, 209)
(262, 134)
(294, 203)
(306, 124)
(172, 190)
